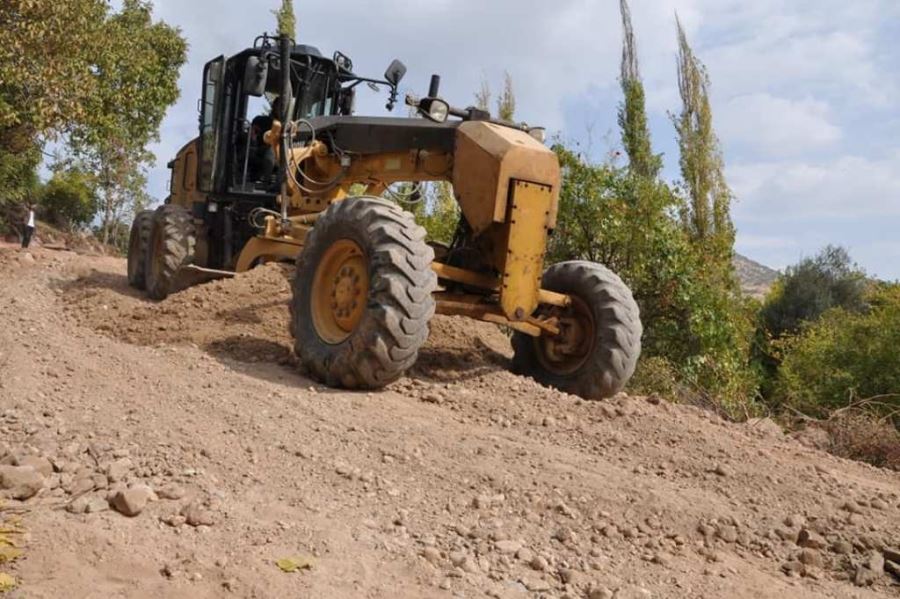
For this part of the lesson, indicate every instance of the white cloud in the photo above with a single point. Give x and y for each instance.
(777, 126)
(748, 242)
(849, 187)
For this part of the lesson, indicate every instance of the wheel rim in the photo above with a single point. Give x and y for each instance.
(340, 290)
(565, 353)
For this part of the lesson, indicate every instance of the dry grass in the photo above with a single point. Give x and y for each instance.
(860, 435)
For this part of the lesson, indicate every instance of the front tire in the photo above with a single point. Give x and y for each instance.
(173, 241)
(362, 294)
(600, 342)
(138, 242)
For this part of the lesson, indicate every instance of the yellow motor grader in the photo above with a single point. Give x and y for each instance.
(305, 184)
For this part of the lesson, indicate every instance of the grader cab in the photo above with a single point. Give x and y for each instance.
(304, 184)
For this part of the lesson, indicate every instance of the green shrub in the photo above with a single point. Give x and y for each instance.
(843, 357)
(810, 288)
(692, 313)
(655, 375)
(69, 199)
(441, 213)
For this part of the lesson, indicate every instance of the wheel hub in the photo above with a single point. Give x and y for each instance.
(341, 288)
(565, 353)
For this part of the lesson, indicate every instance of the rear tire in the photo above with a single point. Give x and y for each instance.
(172, 245)
(362, 294)
(138, 242)
(604, 357)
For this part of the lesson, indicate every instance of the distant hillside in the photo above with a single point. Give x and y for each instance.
(756, 280)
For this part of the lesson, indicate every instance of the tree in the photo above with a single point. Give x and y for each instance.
(104, 79)
(135, 82)
(287, 22)
(47, 46)
(632, 111)
(69, 199)
(506, 103)
(441, 213)
(707, 215)
(46, 53)
(812, 287)
(845, 356)
(626, 222)
(483, 96)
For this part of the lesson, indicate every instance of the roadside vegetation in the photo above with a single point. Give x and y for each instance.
(107, 79)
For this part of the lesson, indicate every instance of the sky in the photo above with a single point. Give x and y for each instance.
(805, 93)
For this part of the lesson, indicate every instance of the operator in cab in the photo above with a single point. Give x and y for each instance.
(262, 160)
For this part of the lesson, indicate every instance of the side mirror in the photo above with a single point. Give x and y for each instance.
(395, 73)
(256, 73)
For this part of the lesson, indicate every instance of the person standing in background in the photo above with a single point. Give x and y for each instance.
(29, 227)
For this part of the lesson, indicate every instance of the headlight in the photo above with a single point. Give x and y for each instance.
(538, 133)
(438, 111)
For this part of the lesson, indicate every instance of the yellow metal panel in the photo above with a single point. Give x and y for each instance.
(487, 159)
(267, 249)
(467, 277)
(528, 221)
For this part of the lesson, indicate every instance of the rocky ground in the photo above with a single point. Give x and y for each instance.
(173, 450)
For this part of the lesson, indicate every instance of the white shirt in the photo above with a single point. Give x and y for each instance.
(30, 218)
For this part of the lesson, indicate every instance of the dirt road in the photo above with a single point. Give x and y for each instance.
(459, 481)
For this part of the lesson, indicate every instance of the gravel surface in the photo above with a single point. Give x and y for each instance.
(174, 450)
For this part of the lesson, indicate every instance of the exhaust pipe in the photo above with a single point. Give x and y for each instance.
(286, 46)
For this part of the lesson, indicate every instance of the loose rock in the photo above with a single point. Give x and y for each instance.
(118, 470)
(432, 555)
(172, 492)
(20, 482)
(196, 514)
(811, 539)
(507, 547)
(132, 501)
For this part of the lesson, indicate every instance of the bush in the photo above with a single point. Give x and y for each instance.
(18, 179)
(843, 357)
(692, 313)
(69, 199)
(655, 375)
(812, 287)
(859, 435)
(432, 204)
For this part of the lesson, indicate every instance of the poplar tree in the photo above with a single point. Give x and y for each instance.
(632, 112)
(483, 96)
(706, 216)
(506, 103)
(287, 22)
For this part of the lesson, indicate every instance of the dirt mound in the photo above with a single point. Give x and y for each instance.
(246, 318)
